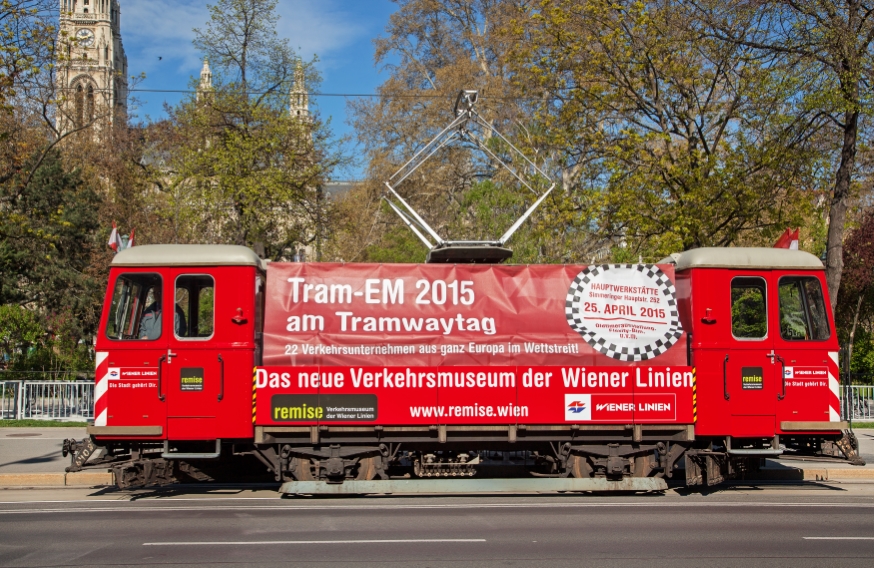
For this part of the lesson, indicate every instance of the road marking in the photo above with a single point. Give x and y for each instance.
(152, 500)
(392, 541)
(283, 507)
(839, 538)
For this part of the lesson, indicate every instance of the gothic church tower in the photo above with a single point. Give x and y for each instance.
(92, 67)
(205, 85)
(299, 98)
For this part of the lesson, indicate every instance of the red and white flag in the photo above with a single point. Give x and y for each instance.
(788, 240)
(115, 242)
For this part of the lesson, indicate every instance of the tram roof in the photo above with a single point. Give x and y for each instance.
(744, 257)
(188, 255)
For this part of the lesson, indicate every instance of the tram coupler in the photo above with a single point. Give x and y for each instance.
(848, 444)
(80, 452)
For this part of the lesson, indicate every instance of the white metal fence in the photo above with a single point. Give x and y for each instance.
(74, 401)
(857, 402)
(9, 399)
(47, 400)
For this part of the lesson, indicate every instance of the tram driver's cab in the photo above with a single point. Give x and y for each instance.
(177, 342)
(762, 340)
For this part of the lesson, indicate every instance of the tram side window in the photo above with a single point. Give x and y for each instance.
(135, 309)
(749, 313)
(802, 309)
(195, 306)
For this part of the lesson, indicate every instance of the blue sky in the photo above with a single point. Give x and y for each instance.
(340, 32)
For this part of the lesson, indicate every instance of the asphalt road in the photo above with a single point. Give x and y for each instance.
(38, 450)
(866, 444)
(790, 525)
(805, 524)
(35, 450)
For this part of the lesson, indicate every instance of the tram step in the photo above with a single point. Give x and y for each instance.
(509, 485)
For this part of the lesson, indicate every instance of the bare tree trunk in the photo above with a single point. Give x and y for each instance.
(838, 207)
(852, 336)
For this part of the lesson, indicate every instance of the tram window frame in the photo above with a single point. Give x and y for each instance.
(260, 282)
(194, 299)
(801, 282)
(136, 304)
(753, 282)
(259, 303)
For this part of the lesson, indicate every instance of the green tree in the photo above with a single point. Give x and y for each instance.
(242, 169)
(48, 234)
(854, 312)
(671, 140)
(26, 41)
(19, 330)
(240, 39)
(51, 262)
(833, 40)
(432, 49)
(246, 182)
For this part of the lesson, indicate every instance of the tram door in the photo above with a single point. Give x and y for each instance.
(193, 369)
(211, 340)
(750, 375)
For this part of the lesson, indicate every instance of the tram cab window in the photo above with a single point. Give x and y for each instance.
(802, 309)
(749, 313)
(132, 313)
(195, 305)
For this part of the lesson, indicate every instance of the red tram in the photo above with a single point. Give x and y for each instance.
(706, 362)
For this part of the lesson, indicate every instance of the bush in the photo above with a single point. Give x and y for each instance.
(28, 352)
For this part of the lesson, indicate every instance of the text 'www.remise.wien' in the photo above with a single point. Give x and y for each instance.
(468, 411)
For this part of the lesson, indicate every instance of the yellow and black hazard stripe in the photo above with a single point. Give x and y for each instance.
(254, 392)
(694, 396)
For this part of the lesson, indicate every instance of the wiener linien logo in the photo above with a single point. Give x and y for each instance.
(577, 407)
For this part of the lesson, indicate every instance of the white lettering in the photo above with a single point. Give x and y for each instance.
(371, 290)
(294, 283)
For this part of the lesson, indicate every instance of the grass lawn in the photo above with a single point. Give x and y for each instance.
(40, 424)
(862, 424)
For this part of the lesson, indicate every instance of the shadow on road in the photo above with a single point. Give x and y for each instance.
(53, 456)
(267, 491)
(184, 490)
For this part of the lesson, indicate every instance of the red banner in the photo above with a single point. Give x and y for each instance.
(473, 395)
(472, 344)
(433, 315)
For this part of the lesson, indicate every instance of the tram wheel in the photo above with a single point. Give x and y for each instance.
(366, 469)
(302, 468)
(579, 466)
(642, 466)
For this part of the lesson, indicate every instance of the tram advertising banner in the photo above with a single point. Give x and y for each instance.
(472, 344)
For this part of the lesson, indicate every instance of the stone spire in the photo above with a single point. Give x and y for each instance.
(205, 79)
(91, 65)
(300, 102)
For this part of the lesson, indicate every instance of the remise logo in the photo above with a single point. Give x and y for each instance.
(577, 407)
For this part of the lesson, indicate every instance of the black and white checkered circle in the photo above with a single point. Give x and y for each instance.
(604, 345)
